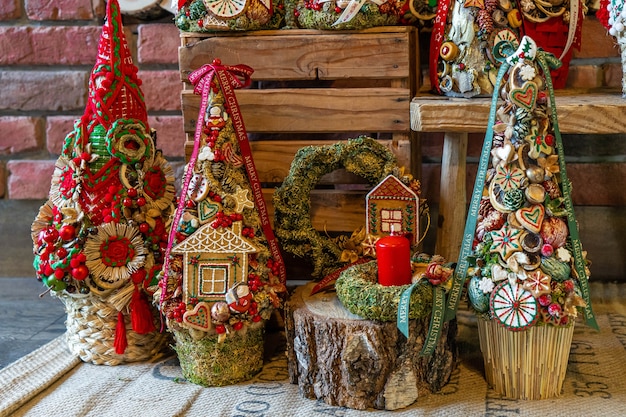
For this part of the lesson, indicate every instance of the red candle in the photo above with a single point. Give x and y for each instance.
(393, 255)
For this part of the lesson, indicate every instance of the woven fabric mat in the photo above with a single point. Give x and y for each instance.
(51, 382)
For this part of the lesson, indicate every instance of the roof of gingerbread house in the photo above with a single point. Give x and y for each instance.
(210, 240)
(392, 188)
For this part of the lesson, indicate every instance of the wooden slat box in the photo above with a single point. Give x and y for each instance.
(315, 88)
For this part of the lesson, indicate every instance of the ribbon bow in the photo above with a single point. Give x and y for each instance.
(238, 76)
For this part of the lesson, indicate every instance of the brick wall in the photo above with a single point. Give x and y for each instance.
(47, 55)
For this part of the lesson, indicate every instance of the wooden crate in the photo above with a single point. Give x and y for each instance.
(314, 88)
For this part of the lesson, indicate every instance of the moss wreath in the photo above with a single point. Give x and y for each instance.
(362, 156)
(360, 294)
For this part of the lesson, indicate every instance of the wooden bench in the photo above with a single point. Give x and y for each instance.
(579, 112)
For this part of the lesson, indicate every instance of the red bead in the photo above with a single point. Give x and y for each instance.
(108, 198)
(80, 272)
(220, 329)
(59, 273)
(144, 228)
(50, 235)
(67, 232)
(238, 325)
(61, 252)
(127, 202)
(75, 263)
(112, 189)
(132, 192)
(141, 201)
(81, 257)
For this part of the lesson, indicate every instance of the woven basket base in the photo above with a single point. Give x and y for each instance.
(209, 363)
(527, 365)
(91, 323)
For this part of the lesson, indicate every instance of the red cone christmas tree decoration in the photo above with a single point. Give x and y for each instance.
(100, 237)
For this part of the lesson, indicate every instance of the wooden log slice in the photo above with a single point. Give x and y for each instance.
(348, 361)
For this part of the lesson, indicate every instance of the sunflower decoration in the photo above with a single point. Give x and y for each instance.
(114, 253)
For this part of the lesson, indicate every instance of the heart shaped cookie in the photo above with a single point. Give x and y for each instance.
(526, 96)
(531, 217)
(198, 318)
(207, 210)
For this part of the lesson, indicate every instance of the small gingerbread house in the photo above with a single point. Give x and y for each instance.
(391, 205)
(214, 260)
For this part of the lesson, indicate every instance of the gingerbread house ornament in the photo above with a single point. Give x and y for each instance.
(392, 206)
(215, 261)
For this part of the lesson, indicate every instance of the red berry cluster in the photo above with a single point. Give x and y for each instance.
(273, 266)
(312, 5)
(132, 199)
(225, 220)
(178, 311)
(254, 282)
(215, 197)
(248, 232)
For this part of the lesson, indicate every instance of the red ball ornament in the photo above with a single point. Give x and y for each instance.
(59, 273)
(132, 192)
(127, 202)
(141, 201)
(80, 272)
(144, 228)
(220, 328)
(238, 325)
(61, 252)
(67, 232)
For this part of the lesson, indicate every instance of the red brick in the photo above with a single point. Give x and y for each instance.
(10, 9)
(161, 89)
(29, 179)
(20, 134)
(585, 76)
(3, 179)
(158, 44)
(170, 135)
(59, 9)
(43, 90)
(57, 128)
(596, 41)
(50, 45)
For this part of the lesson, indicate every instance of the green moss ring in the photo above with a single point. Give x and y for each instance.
(362, 156)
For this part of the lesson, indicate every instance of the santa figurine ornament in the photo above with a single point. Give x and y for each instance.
(99, 239)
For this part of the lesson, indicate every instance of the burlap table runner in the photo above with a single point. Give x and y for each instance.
(50, 382)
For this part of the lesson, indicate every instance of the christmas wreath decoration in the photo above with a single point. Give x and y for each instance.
(362, 156)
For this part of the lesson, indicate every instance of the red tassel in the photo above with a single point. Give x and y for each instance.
(140, 313)
(120, 342)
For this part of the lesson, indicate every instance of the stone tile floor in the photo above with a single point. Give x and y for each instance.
(27, 321)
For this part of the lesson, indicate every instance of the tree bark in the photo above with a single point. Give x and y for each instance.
(348, 361)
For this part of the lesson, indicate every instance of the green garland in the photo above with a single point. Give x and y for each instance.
(359, 292)
(362, 156)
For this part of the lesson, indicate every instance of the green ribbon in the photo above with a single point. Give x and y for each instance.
(403, 310)
(545, 59)
(436, 318)
(460, 273)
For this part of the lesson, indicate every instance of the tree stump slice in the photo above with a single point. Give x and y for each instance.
(349, 361)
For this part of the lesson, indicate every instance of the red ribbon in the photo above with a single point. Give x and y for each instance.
(229, 78)
(436, 40)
